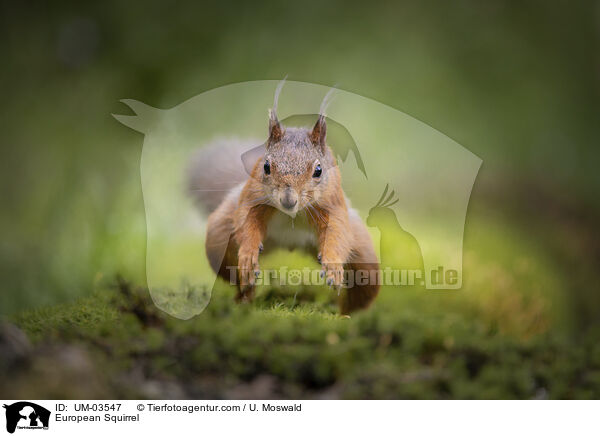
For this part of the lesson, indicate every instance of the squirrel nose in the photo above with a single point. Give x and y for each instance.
(289, 200)
(288, 203)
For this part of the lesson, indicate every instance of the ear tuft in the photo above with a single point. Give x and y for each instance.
(275, 130)
(319, 132)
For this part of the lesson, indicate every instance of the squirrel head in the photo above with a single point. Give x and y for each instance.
(295, 168)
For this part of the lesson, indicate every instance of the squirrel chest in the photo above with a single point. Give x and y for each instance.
(285, 232)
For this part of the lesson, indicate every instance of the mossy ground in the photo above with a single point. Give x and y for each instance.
(514, 330)
(117, 344)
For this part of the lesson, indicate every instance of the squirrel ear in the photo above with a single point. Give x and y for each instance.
(275, 131)
(319, 131)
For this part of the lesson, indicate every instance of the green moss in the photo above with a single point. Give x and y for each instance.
(386, 352)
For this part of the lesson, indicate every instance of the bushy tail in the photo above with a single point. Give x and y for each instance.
(218, 167)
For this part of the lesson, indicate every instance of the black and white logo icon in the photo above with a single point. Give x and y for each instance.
(26, 415)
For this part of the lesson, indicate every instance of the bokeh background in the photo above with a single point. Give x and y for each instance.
(517, 83)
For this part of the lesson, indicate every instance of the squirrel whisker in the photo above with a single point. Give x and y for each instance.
(307, 212)
(317, 213)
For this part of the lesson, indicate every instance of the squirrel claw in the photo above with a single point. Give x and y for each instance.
(260, 247)
(248, 267)
(334, 272)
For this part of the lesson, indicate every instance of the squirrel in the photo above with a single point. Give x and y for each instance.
(295, 175)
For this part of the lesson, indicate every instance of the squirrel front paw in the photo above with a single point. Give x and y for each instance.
(333, 273)
(248, 269)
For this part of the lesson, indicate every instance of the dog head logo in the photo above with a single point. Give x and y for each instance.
(376, 147)
(26, 415)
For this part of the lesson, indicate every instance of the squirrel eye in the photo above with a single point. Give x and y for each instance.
(318, 171)
(267, 167)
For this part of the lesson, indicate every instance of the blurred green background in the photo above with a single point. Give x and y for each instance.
(517, 83)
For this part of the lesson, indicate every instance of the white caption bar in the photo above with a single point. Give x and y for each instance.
(299, 417)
